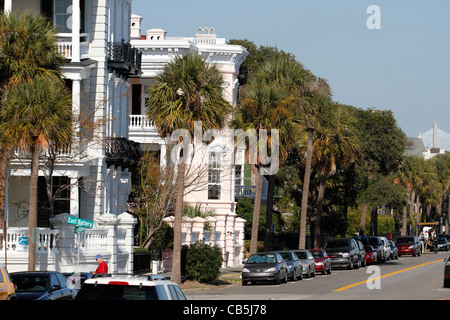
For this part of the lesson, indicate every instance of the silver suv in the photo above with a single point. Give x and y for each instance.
(129, 287)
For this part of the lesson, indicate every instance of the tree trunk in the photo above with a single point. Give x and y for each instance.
(362, 225)
(256, 213)
(317, 224)
(269, 214)
(428, 214)
(3, 164)
(404, 221)
(411, 210)
(32, 216)
(176, 260)
(305, 192)
(374, 221)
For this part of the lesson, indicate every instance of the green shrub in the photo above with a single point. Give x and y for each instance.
(203, 262)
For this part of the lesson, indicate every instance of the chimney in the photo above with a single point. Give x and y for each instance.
(156, 34)
(135, 30)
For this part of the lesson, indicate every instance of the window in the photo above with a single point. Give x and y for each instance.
(63, 16)
(214, 173)
(61, 191)
(238, 175)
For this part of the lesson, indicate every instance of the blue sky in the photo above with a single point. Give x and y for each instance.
(403, 67)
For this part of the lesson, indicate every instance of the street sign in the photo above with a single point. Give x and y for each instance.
(80, 222)
(78, 229)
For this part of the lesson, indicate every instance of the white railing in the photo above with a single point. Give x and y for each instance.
(139, 121)
(65, 46)
(17, 239)
(93, 240)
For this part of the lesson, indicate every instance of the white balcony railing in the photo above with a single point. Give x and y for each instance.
(18, 238)
(65, 46)
(140, 122)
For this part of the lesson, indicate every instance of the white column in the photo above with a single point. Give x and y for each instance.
(74, 198)
(8, 6)
(76, 18)
(76, 98)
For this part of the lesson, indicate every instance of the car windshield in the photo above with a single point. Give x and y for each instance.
(262, 258)
(121, 292)
(337, 244)
(405, 240)
(31, 283)
(317, 254)
(374, 241)
(442, 240)
(286, 256)
(302, 255)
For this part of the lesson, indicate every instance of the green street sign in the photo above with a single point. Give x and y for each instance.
(80, 222)
(78, 229)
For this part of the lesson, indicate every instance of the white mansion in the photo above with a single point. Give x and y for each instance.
(108, 70)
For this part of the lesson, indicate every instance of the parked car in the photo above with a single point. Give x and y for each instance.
(443, 243)
(129, 287)
(264, 266)
(371, 255)
(42, 285)
(308, 262)
(294, 265)
(387, 248)
(409, 245)
(76, 280)
(362, 253)
(322, 260)
(394, 250)
(343, 252)
(447, 273)
(377, 245)
(7, 287)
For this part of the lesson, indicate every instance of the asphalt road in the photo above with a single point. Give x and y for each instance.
(408, 278)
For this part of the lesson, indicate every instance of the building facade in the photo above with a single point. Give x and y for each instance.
(91, 181)
(211, 171)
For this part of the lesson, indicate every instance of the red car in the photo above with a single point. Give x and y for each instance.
(371, 255)
(323, 261)
(409, 245)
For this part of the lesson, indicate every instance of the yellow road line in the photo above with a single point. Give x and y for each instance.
(386, 275)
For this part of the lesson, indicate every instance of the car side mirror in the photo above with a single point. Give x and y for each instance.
(56, 287)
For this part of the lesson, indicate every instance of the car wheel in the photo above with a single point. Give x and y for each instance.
(294, 275)
(446, 283)
(350, 266)
(329, 270)
(300, 276)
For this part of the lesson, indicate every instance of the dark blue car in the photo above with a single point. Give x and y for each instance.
(41, 285)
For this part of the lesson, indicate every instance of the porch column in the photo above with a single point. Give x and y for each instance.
(74, 197)
(76, 17)
(8, 6)
(76, 97)
(163, 156)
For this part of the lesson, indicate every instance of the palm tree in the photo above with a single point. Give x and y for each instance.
(27, 48)
(334, 148)
(409, 176)
(38, 113)
(188, 90)
(315, 98)
(270, 101)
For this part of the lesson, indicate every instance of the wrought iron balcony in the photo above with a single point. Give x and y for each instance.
(124, 58)
(122, 152)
